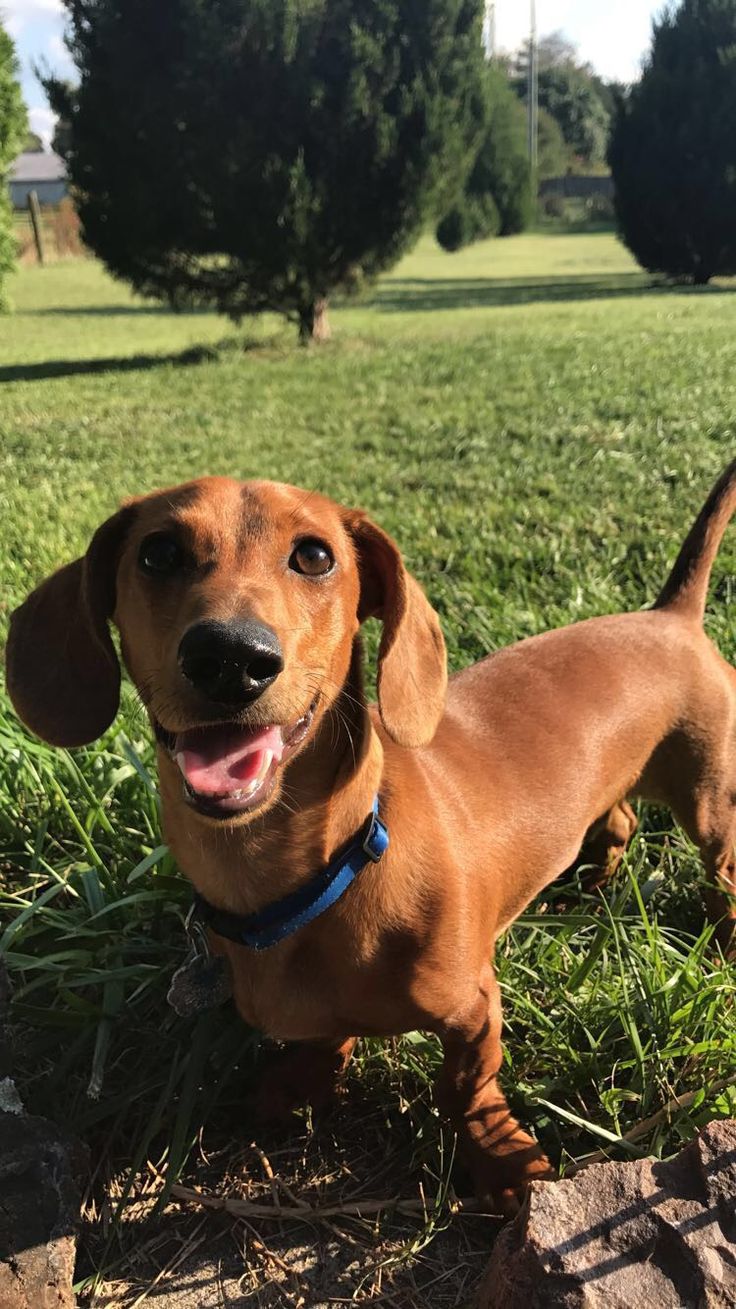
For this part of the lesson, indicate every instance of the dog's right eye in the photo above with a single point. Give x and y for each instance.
(160, 555)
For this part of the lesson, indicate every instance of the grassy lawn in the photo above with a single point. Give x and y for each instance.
(537, 425)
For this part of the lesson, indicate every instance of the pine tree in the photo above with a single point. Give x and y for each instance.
(496, 199)
(255, 155)
(673, 148)
(13, 127)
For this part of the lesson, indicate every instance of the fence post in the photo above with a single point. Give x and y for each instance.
(35, 212)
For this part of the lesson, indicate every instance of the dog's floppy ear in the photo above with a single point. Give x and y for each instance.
(63, 674)
(412, 662)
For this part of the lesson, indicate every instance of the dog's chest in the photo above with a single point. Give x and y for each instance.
(283, 1000)
(311, 995)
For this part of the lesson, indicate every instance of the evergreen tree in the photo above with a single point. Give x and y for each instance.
(13, 127)
(496, 199)
(673, 148)
(260, 154)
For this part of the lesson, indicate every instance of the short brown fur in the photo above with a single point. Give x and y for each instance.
(489, 786)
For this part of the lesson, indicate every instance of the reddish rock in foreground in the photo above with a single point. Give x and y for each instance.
(39, 1211)
(626, 1236)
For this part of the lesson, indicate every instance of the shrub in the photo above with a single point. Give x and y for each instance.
(673, 148)
(600, 209)
(474, 220)
(66, 228)
(496, 199)
(554, 206)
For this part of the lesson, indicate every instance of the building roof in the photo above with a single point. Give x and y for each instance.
(38, 166)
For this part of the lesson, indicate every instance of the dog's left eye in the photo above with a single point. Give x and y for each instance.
(160, 555)
(312, 558)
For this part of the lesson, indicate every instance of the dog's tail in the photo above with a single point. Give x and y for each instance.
(686, 588)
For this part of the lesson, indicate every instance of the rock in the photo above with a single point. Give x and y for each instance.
(39, 1199)
(626, 1236)
(5, 1067)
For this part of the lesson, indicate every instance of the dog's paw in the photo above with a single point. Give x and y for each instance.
(502, 1181)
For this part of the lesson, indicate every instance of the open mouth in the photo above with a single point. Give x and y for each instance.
(229, 769)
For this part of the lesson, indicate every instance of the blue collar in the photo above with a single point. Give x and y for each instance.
(277, 921)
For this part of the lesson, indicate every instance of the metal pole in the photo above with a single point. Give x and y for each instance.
(533, 93)
(489, 29)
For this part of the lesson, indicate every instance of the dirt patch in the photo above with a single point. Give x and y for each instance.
(187, 1258)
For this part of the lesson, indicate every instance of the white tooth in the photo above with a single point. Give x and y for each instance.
(267, 757)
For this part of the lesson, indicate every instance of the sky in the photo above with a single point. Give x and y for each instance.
(37, 27)
(611, 34)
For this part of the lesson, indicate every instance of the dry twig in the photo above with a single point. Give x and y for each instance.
(315, 1213)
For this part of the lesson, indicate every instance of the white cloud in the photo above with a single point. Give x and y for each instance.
(43, 122)
(17, 14)
(23, 10)
(58, 54)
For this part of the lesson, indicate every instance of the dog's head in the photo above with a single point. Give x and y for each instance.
(237, 606)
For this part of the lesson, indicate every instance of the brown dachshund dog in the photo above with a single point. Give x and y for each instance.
(239, 608)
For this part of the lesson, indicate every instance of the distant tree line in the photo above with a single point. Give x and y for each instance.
(259, 155)
(13, 128)
(669, 140)
(498, 195)
(264, 155)
(574, 99)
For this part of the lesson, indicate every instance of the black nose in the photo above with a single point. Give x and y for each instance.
(231, 663)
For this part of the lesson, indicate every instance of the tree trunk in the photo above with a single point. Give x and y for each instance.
(314, 324)
(702, 274)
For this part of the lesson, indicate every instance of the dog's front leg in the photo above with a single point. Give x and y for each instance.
(502, 1157)
(307, 1073)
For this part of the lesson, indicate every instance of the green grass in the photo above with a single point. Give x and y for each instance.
(537, 425)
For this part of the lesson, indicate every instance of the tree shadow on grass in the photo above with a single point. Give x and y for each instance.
(45, 369)
(425, 294)
(111, 311)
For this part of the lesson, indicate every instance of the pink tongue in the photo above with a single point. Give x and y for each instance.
(222, 760)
